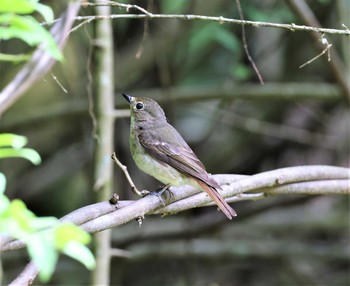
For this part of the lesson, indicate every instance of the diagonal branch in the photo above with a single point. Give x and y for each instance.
(41, 62)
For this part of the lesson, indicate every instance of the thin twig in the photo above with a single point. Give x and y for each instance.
(117, 252)
(145, 31)
(245, 45)
(327, 49)
(302, 10)
(292, 27)
(89, 93)
(59, 84)
(127, 176)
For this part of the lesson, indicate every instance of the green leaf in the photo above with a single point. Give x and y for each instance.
(43, 222)
(14, 58)
(13, 140)
(4, 205)
(240, 71)
(80, 253)
(67, 232)
(26, 153)
(43, 253)
(27, 29)
(45, 11)
(70, 239)
(23, 217)
(17, 6)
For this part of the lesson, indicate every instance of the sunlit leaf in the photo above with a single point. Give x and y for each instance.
(4, 204)
(17, 6)
(27, 29)
(80, 253)
(26, 153)
(13, 140)
(45, 11)
(43, 222)
(67, 232)
(43, 253)
(19, 212)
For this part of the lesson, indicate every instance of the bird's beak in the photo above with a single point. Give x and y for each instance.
(129, 98)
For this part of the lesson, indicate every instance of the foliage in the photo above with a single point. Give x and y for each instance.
(44, 236)
(16, 22)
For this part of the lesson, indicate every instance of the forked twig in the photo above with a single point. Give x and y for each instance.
(327, 49)
(127, 176)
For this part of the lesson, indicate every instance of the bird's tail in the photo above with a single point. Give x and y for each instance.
(218, 199)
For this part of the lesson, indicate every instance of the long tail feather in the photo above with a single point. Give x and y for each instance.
(218, 199)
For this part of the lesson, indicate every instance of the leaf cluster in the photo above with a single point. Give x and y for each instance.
(17, 22)
(45, 237)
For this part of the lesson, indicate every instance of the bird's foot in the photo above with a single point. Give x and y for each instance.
(164, 190)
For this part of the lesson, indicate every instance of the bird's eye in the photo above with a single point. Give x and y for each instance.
(139, 106)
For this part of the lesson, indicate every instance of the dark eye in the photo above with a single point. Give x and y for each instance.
(139, 106)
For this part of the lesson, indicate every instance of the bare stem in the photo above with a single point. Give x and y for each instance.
(127, 175)
(146, 14)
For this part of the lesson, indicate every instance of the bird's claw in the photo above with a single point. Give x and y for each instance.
(160, 193)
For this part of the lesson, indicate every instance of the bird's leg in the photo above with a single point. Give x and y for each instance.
(160, 193)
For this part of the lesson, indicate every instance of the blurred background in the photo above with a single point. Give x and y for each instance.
(199, 73)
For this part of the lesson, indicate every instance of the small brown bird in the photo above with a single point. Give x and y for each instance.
(160, 151)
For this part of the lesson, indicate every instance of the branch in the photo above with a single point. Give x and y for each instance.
(103, 108)
(146, 14)
(307, 180)
(41, 62)
(310, 180)
(341, 72)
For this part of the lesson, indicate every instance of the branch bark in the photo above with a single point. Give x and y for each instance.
(104, 102)
(309, 180)
(292, 27)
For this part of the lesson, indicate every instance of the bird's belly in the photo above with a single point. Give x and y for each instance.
(151, 166)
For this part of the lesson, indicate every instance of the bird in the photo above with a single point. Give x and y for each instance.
(160, 151)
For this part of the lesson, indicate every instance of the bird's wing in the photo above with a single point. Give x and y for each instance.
(174, 150)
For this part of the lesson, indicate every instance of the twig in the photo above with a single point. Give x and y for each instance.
(127, 176)
(190, 17)
(327, 49)
(145, 30)
(302, 10)
(245, 45)
(116, 252)
(58, 82)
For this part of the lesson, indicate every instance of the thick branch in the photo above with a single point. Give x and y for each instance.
(308, 180)
(104, 105)
(294, 180)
